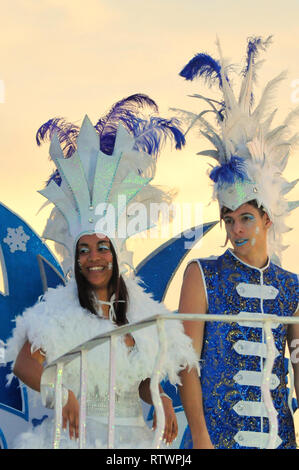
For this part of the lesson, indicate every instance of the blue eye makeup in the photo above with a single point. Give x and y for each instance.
(248, 217)
(103, 246)
(244, 218)
(83, 250)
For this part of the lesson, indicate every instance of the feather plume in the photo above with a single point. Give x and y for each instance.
(67, 134)
(267, 97)
(229, 172)
(228, 94)
(254, 46)
(55, 176)
(291, 117)
(210, 153)
(292, 205)
(287, 187)
(218, 112)
(268, 121)
(211, 134)
(203, 65)
(126, 112)
(276, 134)
(150, 135)
(186, 116)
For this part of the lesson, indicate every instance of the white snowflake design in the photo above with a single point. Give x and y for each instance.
(16, 239)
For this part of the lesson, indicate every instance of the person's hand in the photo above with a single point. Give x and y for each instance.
(70, 415)
(171, 425)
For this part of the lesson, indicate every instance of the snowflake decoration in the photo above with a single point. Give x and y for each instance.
(16, 239)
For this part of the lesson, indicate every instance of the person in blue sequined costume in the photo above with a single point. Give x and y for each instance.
(233, 354)
(226, 407)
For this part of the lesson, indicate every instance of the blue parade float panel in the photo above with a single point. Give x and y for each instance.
(23, 253)
(159, 268)
(29, 269)
(3, 443)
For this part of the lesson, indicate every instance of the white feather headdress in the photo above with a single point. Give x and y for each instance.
(97, 191)
(251, 156)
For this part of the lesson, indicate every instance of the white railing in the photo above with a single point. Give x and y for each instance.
(159, 320)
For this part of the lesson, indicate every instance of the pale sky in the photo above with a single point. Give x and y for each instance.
(70, 58)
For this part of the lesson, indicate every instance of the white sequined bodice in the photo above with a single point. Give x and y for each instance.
(127, 407)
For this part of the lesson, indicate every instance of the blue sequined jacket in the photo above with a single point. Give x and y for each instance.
(233, 354)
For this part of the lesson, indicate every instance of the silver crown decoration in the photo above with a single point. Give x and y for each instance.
(251, 155)
(97, 190)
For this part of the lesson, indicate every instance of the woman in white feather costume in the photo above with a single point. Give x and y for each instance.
(58, 323)
(99, 299)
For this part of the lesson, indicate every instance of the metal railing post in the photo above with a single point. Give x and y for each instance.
(113, 340)
(83, 392)
(58, 405)
(154, 384)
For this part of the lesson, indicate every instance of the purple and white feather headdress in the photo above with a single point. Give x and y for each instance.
(103, 170)
(251, 156)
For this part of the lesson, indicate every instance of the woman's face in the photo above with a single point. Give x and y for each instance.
(95, 260)
(247, 229)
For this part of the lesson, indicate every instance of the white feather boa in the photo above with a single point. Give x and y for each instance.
(57, 323)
